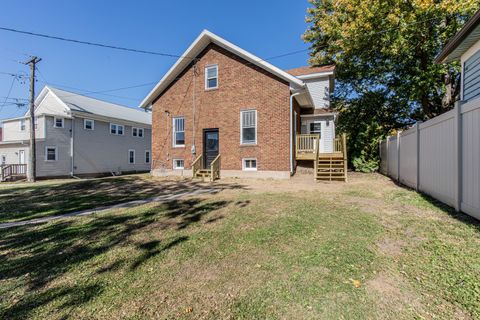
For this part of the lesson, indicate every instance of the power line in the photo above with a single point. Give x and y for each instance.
(102, 92)
(96, 44)
(8, 94)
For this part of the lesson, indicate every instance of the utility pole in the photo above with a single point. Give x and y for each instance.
(31, 169)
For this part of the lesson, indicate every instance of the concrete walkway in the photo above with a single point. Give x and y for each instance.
(124, 205)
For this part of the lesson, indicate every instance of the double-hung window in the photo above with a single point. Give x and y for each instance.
(248, 127)
(51, 154)
(137, 132)
(117, 129)
(88, 124)
(211, 77)
(58, 122)
(22, 125)
(131, 156)
(179, 132)
(147, 156)
(4, 160)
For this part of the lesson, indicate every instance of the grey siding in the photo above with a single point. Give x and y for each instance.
(471, 77)
(99, 151)
(59, 138)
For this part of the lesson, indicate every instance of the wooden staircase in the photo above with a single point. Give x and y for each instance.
(332, 166)
(212, 174)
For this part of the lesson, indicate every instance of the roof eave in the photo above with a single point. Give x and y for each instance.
(445, 55)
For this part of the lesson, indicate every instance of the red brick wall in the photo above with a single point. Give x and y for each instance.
(241, 86)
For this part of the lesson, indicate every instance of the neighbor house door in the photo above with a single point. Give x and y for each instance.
(21, 156)
(210, 146)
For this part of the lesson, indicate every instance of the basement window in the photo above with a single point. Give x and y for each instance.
(249, 164)
(178, 164)
(211, 77)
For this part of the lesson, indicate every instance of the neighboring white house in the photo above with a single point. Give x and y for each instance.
(79, 136)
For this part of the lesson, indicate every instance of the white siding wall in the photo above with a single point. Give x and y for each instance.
(12, 153)
(327, 136)
(320, 91)
(446, 174)
(12, 132)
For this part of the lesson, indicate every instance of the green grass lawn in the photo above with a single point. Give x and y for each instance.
(49, 198)
(364, 250)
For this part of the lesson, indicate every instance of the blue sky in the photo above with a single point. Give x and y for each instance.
(265, 28)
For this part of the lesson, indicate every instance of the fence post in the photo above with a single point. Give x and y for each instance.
(387, 144)
(458, 156)
(398, 156)
(417, 136)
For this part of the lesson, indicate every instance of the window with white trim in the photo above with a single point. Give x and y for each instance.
(131, 156)
(178, 164)
(23, 125)
(249, 164)
(88, 124)
(51, 153)
(58, 122)
(147, 156)
(179, 132)
(117, 129)
(137, 132)
(248, 127)
(211, 77)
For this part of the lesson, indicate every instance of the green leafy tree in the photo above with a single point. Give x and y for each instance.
(384, 52)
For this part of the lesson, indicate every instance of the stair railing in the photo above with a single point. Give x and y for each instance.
(317, 155)
(344, 145)
(196, 165)
(215, 169)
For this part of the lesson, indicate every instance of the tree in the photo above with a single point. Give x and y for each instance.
(384, 52)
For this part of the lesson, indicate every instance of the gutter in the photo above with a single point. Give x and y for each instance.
(291, 131)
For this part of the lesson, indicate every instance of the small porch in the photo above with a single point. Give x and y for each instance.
(327, 165)
(9, 172)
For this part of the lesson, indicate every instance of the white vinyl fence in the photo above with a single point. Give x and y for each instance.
(440, 157)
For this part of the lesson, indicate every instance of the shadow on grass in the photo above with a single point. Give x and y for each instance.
(460, 216)
(25, 203)
(33, 257)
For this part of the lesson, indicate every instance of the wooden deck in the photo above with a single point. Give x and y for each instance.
(328, 166)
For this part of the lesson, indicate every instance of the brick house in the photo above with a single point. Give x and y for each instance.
(221, 108)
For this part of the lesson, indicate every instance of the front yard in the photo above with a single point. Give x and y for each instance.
(258, 249)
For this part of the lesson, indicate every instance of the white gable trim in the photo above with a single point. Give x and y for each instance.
(43, 95)
(202, 41)
(316, 75)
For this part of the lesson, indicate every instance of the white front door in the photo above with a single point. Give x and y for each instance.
(21, 157)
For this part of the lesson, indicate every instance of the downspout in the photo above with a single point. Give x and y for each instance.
(291, 131)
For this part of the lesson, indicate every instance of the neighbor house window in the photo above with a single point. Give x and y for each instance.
(178, 164)
(116, 129)
(51, 154)
(249, 164)
(131, 156)
(248, 127)
(88, 124)
(58, 122)
(4, 159)
(137, 132)
(211, 77)
(22, 125)
(179, 132)
(147, 156)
